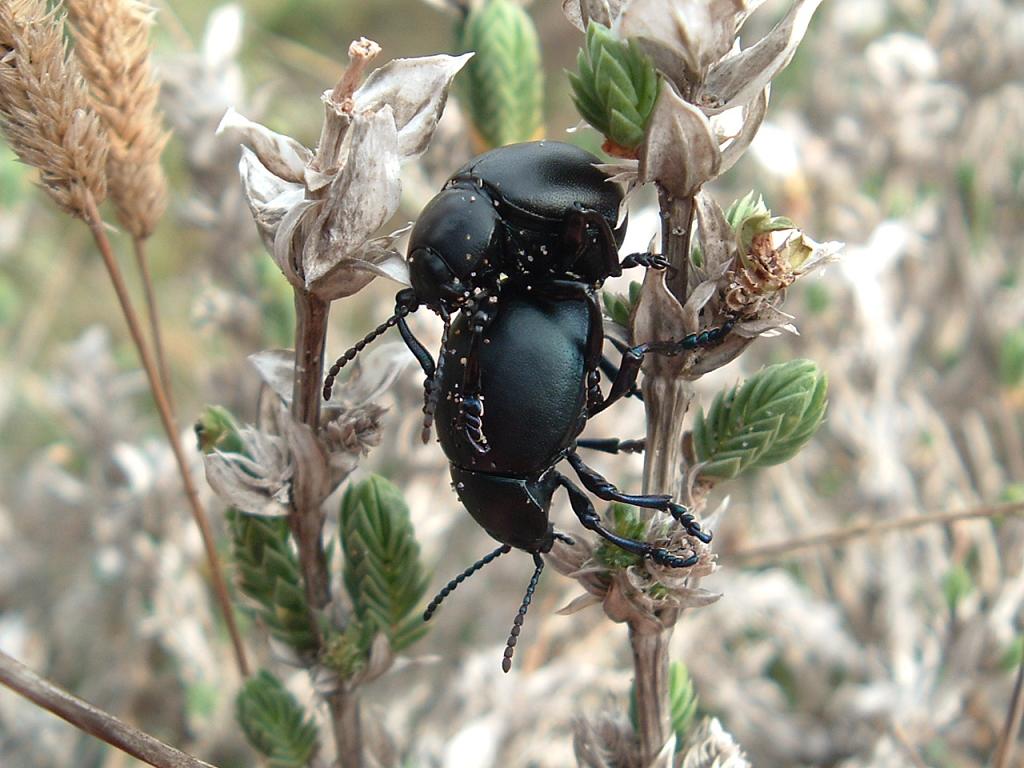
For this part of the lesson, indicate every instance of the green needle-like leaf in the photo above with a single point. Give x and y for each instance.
(275, 723)
(504, 82)
(764, 421)
(682, 701)
(383, 573)
(615, 87)
(269, 574)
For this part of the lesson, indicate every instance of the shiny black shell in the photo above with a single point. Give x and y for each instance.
(536, 182)
(534, 372)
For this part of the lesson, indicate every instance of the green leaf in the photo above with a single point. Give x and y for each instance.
(750, 217)
(503, 84)
(626, 521)
(617, 307)
(956, 585)
(275, 723)
(216, 430)
(615, 87)
(1011, 359)
(762, 422)
(682, 701)
(383, 573)
(268, 573)
(1013, 655)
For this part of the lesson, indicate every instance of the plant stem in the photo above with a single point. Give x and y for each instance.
(676, 228)
(90, 719)
(99, 234)
(756, 555)
(139, 246)
(666, 400)
(1008, 738)
(307, 518)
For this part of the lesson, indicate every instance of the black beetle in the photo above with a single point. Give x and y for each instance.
(537, 368)
(538, 210)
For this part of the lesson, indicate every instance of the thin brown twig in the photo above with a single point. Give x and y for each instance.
(1008, 738)
(307, 517)
(92, 720)
(873, 528)
(96, 226)
(142, 260)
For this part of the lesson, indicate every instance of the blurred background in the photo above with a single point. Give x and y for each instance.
(897, 129)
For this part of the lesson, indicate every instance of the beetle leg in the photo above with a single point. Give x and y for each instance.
(624, 382)
(613, 445)
(601, 487)
(649, 260)
(430, 370)
(709, 337)
(584, 509)
(611, 370)
(469, 418)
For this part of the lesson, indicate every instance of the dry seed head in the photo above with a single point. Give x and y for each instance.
(765, 272)
(45, 110)
(112, 44)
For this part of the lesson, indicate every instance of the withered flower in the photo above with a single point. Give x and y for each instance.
(318, 211)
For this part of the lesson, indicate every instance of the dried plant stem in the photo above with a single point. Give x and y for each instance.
(870, 528)
(142, 260)
(307, 518)
(666, 400)
(91, 720)
(676, 229)
(99, 234)
(1008, 738)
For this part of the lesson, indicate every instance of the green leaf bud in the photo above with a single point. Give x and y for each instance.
(762, 422)
(503, 84)
(216, 430)
(614, 89)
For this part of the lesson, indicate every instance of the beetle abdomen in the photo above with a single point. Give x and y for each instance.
(533, 384)
(512, 510)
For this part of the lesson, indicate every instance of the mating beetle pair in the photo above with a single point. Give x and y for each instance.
(516, 244)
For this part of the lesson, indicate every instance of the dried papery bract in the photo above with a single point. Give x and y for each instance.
(318, 212)
(45, 109)
(112, 45)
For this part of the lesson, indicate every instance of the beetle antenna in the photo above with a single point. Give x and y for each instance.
(435, 390)
(517, 623)
(451, 585)
(350, 353)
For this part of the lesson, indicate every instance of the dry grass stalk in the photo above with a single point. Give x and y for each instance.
(44, 107)
(112, 44)
(89, 719)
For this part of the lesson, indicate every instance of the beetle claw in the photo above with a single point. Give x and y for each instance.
(664, 557)
(688, 521)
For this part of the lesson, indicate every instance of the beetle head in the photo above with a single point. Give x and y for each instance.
(456, 236)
